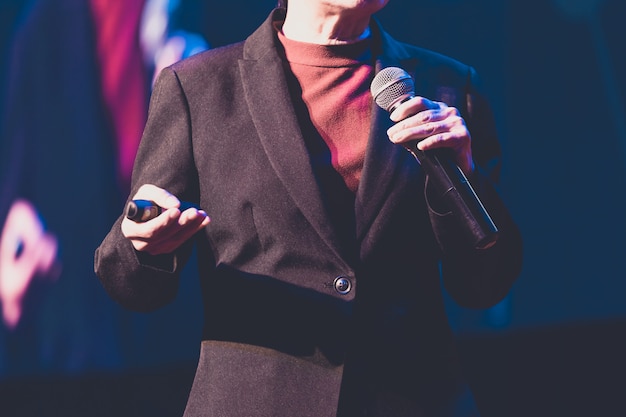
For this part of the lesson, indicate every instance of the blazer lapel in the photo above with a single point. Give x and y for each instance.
(379, 171)
(384, 162)
(269, 103)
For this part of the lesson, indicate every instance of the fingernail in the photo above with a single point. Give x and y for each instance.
(171, 201)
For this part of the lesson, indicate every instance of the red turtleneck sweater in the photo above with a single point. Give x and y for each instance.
(335, 81)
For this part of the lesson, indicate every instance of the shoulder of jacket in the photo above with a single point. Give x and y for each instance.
(211, 59)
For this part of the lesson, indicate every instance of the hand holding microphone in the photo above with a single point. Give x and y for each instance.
(437, 137)
(151, 224)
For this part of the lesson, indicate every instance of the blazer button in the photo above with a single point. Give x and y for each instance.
(343, 285)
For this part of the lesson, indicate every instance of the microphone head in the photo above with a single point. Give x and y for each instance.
(392, 86)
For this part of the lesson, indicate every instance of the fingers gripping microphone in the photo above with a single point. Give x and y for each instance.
(393, 86)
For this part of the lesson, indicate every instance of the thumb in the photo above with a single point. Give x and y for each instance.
(160, 196)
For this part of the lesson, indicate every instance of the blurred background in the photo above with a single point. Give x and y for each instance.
(555, 73)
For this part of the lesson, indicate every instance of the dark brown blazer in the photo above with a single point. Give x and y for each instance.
(297, 323)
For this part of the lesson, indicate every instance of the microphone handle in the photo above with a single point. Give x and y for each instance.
(458, 195)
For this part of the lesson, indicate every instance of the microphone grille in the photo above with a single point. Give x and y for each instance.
(390, 86)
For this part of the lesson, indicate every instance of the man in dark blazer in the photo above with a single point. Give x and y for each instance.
(309, 312)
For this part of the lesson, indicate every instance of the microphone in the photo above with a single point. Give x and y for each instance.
(141, 211)
(393, 86)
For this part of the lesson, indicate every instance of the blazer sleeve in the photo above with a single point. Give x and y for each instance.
(479, 278)
(136, 280)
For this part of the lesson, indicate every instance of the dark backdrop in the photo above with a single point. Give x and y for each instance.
(554, 71)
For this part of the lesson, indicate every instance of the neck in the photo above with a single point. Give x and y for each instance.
(324, 25)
